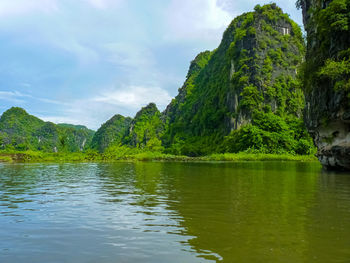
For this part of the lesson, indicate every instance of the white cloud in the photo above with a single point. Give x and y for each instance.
(238, 7)
(49, 101)
(94, 111)
(84, 54)
(20, 7)
(196, 19)
(19, 97)
(204, 20)
(130, 55)
(12, 96)
(103, 4)
(135, 97)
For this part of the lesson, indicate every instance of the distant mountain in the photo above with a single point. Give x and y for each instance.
(75, 137)
(111, 132)
(21, 131)
(146, 129)
(76, 127)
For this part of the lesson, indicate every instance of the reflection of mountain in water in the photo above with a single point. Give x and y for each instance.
(244, 213)
(252, 212)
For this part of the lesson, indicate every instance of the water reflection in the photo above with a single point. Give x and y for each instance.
(174, 212)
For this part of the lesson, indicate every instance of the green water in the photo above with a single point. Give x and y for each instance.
(174, 212)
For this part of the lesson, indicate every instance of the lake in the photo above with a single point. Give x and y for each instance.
(174, 212)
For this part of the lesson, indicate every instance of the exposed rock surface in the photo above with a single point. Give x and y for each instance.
(327, 112)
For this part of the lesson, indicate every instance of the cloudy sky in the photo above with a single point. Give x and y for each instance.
(82, 61)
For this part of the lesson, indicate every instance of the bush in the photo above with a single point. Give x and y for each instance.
(269, 133)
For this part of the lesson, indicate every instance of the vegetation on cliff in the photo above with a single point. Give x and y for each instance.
(119, 135)
(111, 132)
(146, 129)
(328, 56)
(244, 94)
(326, 79)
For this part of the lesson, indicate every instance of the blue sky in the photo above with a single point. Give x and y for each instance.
(82, 61)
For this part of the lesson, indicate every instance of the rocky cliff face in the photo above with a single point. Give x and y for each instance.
(75, 137)
(326, 79)
(253, 70)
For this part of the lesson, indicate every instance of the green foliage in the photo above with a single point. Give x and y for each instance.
(251, 97)
(146, 129)
(154, 145)
(74, 138)
(269, 133)
(327, 63)
(125, 153)
(111, 132)
(254, 68)
(252, 155)
(21, 131)
(115, 152)
(338, 72)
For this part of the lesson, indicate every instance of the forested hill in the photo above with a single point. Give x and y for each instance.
(143, 132)
(21, 131)
(245, 93)
(111, 132)
(243, 96)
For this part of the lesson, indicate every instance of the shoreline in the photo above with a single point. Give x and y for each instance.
(34, 157)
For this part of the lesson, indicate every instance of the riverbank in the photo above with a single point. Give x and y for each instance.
(32, 156)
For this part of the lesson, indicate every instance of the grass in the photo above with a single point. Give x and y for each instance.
(34, 156)
(258, 157)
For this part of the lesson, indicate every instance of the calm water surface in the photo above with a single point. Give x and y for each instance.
(173, 212)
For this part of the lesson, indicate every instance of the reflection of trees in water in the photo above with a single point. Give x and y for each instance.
(14, 183)
(263, 212)
(328, 225)
(244, 213)
(140, 180)
(18, 182)
(22, 184)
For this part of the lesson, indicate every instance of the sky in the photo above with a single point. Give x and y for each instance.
(83, 61)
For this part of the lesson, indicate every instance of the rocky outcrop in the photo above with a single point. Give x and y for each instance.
(253, 70)
(327, 112)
